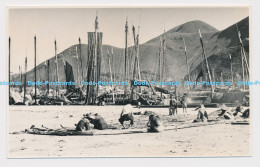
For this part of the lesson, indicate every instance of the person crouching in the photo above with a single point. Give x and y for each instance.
(98, 122)
(154, 124)
(225, 112)
(82, 125)
(127, 115)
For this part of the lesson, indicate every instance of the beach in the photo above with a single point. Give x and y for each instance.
(215, 140)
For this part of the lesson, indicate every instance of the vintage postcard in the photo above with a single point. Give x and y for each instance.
(128, 82)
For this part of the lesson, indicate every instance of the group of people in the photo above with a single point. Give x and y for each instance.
(226, 112)
(98, 122)
(154, 123)
(202, 115)
(173, 109)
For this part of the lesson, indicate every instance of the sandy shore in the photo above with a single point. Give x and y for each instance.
(211, 140)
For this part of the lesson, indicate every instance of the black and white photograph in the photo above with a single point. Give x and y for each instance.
(128, 81)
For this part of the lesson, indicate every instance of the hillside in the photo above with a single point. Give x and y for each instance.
(217, 44)
(221, 45)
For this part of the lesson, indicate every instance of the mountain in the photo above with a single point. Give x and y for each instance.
(218, 46)
(188, 28)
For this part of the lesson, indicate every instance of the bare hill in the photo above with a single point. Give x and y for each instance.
(218, 45)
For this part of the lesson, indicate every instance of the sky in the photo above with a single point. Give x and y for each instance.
(67, 24)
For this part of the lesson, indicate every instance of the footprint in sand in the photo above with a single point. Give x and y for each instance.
(63, 141)
(23, 148)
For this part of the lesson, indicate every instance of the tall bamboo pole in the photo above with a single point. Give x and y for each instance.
(20, 78)
(231, 71)
(48, 71)
(206, 61)
(242, 57)
(163, 57)
(185, 53)
(137, 57)
(78, 80)
(160, 62)
(126, 56)
(25, 79)
(80, 55)
(135, 60)
(243, 54)
(111, 75)
(95, 59)
(113, 69)
(243, 69)
(57, 74)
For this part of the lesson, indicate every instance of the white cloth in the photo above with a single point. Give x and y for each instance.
(127, 109)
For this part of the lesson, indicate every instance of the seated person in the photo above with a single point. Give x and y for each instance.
(246, 113)
(154, 124)
(202, 114)
(98, 122)
(225, 112)
(238, 109)
(82, 125)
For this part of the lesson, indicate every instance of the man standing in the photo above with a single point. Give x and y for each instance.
(183, 101)
(173, 106)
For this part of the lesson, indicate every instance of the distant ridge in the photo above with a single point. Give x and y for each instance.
(217, 45)
(189, 27)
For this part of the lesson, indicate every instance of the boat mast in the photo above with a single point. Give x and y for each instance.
(112, 64)
(25, 79)
(137, 57)
(95, 58)
(20, 78)
(160, 63)
(111, 75)
(185, 53)
(78, 81)
(231, 71)
(206, 61)
(126, 56)
(57, 75)
(48, 71)
(243, 57)
(163, 56)
(80, 59)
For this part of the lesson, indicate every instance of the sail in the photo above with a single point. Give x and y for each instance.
(200, 74)
(69, 76)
